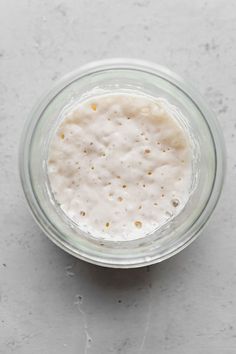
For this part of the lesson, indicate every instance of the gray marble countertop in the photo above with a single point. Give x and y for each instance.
(51, 303)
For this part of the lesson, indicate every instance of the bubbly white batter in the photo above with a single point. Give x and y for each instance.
(119, 165)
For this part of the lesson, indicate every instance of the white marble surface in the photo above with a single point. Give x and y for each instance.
(51, 303)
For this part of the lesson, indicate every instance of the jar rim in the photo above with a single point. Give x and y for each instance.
(140, 66)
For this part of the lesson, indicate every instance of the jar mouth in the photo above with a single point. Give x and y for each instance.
(135, 253)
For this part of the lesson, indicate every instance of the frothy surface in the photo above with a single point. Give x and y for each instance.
(119, 165)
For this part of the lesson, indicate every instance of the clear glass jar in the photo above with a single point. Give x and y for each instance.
(209, 165)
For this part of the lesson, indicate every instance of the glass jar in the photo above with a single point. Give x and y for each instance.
(209, 163)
